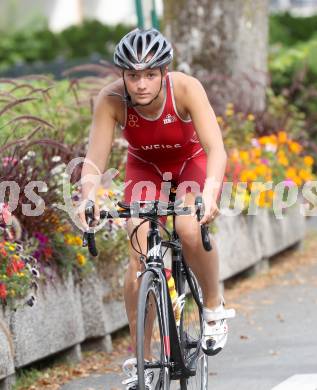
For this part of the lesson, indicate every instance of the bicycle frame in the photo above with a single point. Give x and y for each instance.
(155, 264)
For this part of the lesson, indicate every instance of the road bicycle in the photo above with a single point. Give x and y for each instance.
(168, 345)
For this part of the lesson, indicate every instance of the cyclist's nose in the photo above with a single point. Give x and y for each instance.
(141, 83)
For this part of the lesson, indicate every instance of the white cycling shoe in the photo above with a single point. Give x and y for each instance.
(215, 335)
(129, 367)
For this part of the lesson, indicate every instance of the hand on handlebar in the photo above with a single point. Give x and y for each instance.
(90, 216)
(211, 210)
(200, 212)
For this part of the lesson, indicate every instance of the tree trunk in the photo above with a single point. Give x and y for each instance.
(224, 44)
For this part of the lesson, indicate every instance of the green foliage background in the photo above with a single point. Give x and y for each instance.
(29, 45)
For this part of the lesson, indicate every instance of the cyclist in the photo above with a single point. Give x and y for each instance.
(173, 134)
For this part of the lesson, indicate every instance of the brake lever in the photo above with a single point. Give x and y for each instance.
(89, 237)
(204, 229)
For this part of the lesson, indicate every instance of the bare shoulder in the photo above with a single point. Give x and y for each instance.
(182, 80)
(110, 98)
(184, 83)
(187, 90)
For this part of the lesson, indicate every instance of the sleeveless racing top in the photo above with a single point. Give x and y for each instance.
(166, 138)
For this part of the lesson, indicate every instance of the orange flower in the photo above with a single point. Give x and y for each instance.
(291, 172)
(264, 140)
(308, 160)
(295, 147)
(244, 155)
(256, 152)
(283, 161)
(305, 175)
(261, 169)
(282, 137)
(297, 180)
(273, 139)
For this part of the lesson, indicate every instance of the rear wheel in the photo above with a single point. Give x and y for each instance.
(191, 328)
(152, 340)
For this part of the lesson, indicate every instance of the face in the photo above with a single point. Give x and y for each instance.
(143, 85)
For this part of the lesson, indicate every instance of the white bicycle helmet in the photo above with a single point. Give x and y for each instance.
(132, 52)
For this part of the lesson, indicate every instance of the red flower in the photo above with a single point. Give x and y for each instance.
(48, 252)
(3, 291)
(19, 265)
(3, 252)
(14, 267)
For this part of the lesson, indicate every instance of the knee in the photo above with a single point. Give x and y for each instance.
(188, 232)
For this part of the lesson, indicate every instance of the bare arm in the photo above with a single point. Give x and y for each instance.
(99, 148)
(209, 134)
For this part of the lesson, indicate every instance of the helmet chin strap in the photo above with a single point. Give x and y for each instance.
(128, 97)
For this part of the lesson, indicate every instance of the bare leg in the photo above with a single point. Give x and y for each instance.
(205, 265)
(132, 284)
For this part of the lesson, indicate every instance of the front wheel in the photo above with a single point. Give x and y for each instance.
(152, 339)
(191, 328)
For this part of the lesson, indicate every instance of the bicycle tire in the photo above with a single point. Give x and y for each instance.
(150, 315)
(191, 328)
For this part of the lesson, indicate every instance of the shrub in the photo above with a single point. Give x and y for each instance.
(74, 42)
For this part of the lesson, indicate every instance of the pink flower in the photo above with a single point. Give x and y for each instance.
(289, 183)
(4, 213)
(9, 160)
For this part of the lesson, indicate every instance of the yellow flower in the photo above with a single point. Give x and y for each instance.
(256, 152)
(283, 161)
(264, 140)
(244, 155)
(251, 117)
(229, 112)
(297, 180)
(220, 120)
(247, 176)
(282, 137)
(21, 274)
(270, 194)
(81, 259)
(260, 201)
(305, 175)
(261, 169)
(308, 160)
(77, 241)
(68, 239)
(295, 147)
(291, 172)
(273, 139)
(100, 192)
(235, 155)
(241, 199)
(258, 186)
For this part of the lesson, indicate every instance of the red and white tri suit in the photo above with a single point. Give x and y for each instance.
(167, 143)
